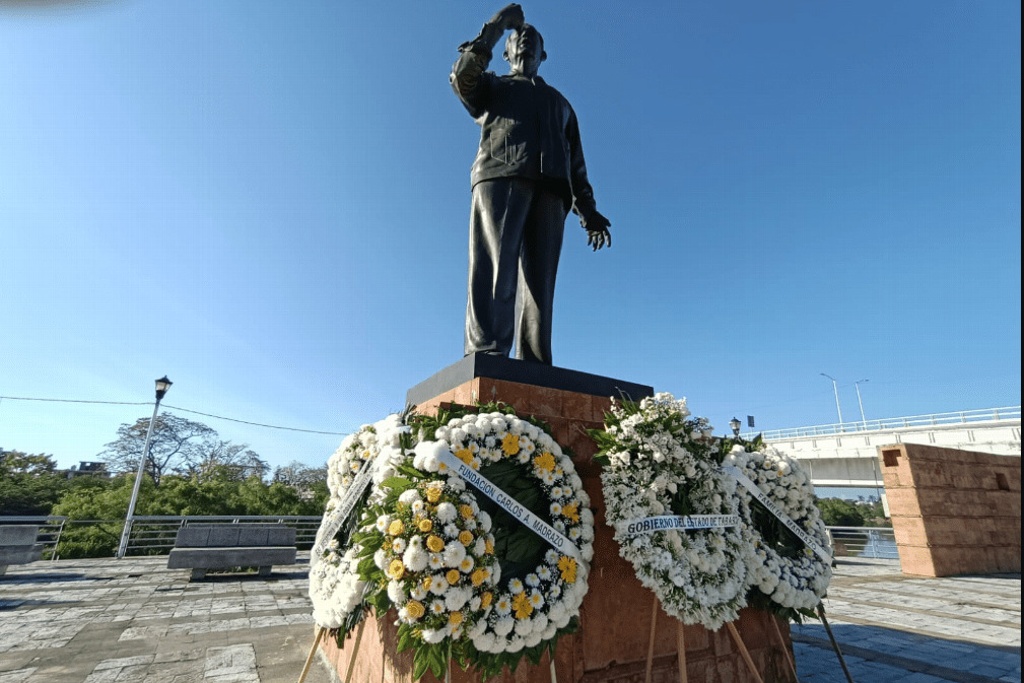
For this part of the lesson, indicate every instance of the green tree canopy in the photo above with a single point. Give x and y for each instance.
(29, 483)
(179, 446)
(840, 512)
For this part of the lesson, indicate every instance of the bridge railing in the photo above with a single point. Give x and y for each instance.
(891, 423)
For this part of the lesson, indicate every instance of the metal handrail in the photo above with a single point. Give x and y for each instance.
(155, 534)
(996, 415)
(50, 528)
(863, 541)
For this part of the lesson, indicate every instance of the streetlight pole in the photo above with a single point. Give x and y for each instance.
(735, 425)
(162, 385)
(835, 390)
(860, 403)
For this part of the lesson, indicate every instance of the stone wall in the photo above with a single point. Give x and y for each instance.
(953, 511)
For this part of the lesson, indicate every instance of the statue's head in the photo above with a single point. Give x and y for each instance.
(524, 50)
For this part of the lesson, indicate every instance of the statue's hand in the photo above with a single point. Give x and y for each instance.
(510, 16)
(598, 234)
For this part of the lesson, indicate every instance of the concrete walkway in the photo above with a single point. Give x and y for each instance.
(93, 621)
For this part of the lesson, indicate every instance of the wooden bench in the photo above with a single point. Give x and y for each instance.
(18, 545)
(201, 547)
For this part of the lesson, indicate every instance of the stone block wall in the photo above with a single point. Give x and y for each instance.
(953, 511)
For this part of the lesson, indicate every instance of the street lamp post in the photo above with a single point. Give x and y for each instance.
(734, 424)
(860, 403)
(835, 390)
(162, 385)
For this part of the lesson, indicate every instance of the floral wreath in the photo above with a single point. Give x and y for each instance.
(790, 577)
(335, 588)
(521, 593)
(430, 554)
(659, 463)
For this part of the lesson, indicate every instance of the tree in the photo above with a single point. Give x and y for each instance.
(29, 483)
(840, 512)
(179, 446)
(226, 459)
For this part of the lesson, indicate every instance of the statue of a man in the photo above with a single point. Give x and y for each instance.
(528, 173)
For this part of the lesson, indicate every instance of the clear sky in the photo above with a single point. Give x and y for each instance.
(268, 202)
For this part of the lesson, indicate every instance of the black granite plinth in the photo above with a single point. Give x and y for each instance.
(523, 372)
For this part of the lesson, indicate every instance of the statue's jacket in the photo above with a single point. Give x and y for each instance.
(527, 129)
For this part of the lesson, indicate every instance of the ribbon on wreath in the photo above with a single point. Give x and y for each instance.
(348, 502)
(761, 497)
(556, 539)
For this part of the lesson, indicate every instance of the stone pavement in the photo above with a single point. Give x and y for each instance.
(893, 628)
(93, 621)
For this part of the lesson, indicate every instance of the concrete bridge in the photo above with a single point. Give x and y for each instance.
(847, 454)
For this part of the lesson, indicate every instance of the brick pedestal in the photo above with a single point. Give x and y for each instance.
(953, 511)
(615, 620)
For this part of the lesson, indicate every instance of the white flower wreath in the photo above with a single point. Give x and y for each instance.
(334, 585)
(435, 552)
(791, 574)
(661, 464)
(544, 592)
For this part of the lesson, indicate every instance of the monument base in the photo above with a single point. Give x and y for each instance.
(617, 635)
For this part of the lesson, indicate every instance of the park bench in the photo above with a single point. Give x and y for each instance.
(201, 547)
(18, 545)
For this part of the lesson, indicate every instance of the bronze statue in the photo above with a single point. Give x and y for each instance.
(528, 173)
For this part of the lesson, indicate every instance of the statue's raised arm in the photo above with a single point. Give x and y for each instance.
(528, 173)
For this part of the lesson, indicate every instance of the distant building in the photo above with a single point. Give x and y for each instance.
(88, 469)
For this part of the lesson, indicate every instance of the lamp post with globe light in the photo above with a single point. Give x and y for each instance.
(162, 385)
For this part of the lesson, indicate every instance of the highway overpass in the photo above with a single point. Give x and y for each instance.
(846, 454)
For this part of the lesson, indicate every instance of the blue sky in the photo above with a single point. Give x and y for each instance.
(268, 203)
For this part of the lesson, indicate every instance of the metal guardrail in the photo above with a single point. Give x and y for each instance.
(50, 530)
(890, 423)
(863, 541)
(154, 535)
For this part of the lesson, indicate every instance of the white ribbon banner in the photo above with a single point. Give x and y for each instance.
(762, 498)
(509, 504)
(344, 509)
(649, 525)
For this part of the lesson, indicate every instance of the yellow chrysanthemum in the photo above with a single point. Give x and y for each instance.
(485, 599)
(415, 609)
(396, 569)
(478, 577)
(465, 455)
(396, 527)
(510, 444)
(567, 567)
(465, 537)
(545, 461)
(435, 543)
(489, 546)
(452, 576)
(572, 512)
(521, 605)
(425, 525)
(455, 618)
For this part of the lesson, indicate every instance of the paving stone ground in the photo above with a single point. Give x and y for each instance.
(94, 621)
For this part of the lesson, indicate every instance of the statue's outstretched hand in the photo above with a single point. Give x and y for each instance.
(598, 234)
